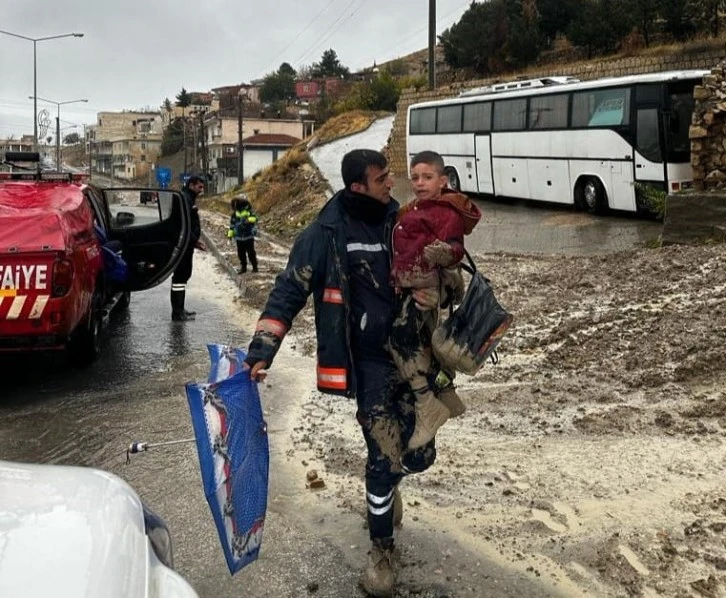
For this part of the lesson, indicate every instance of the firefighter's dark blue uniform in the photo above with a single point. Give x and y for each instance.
(343, 260)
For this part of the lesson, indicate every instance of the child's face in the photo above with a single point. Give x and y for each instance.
(427, 181)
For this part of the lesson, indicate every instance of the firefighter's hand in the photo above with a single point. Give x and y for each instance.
(200, 245)
(439, 253)
(258, 372)
(426, 299)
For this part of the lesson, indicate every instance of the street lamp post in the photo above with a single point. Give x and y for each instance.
(58, 164)
(35, 41)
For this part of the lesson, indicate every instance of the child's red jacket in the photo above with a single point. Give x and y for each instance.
(420, 223)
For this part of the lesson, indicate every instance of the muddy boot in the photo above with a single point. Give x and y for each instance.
(379, 578)
(449, 397)
(397, 508)
(431, 414)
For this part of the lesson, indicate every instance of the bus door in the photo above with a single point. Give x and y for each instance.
(483, 149)
(649, 164)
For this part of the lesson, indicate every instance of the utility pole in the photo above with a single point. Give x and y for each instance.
(57, 142)
(205, 163)
(87, 142)
(432, 44)
(194, 141)
(184, 137)
(240, 157)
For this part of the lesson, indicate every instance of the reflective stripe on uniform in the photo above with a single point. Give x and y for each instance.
(178, 287)
(372, 248)
(276, 327)
(333, 378)
(379, 505)
(333, 296)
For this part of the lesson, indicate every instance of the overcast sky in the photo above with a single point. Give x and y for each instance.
(135, 53)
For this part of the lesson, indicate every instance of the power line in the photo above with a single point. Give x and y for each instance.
(425, 28)
(303, 30)
(317, 42)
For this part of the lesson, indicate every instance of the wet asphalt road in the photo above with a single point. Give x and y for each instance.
(52, 414)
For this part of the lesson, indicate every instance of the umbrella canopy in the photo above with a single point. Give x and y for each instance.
(234, 457)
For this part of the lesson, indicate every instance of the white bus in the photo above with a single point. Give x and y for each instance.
(565, 141)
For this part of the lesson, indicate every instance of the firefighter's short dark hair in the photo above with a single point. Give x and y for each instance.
(356, 162)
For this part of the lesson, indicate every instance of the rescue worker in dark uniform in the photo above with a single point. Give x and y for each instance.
(192, 189)
(343, 260)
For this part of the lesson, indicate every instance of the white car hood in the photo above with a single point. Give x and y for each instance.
(70, 532)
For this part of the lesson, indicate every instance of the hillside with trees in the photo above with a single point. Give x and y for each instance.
(505, 35)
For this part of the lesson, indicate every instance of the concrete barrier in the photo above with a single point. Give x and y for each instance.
(694, 218)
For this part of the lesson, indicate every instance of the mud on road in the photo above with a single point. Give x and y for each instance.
(592, 456)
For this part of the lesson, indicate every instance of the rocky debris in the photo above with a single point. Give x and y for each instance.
(313, 481)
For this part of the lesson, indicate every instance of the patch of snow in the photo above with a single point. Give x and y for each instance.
(327, 157)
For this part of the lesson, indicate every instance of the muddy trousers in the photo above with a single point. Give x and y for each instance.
(179, 280)
(410, 343)
(246, 249)
(387, 418)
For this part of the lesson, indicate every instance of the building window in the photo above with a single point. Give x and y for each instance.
(143, 158)
(143, 145)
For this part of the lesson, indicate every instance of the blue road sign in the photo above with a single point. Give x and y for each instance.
(163, 176)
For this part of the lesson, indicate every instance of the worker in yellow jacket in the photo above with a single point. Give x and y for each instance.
(243, 229)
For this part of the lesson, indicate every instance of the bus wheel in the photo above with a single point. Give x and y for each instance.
(454, 183)
(592, 197)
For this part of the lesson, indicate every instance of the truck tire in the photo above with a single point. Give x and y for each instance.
(85, 344)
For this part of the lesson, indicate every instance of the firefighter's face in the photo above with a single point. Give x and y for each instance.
(378, 184)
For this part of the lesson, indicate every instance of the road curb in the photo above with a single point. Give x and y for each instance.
(223, 261)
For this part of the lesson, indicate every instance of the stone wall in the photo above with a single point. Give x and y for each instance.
(708, 132)
(592, 70)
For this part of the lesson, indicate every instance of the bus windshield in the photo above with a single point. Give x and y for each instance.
(680, 109)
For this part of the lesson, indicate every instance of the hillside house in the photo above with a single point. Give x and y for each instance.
(125, 144)
(264, 140)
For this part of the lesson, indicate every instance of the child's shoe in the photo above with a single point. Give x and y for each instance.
(447, 394)
(431, 414)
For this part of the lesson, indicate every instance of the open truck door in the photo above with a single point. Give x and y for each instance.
(151, 237)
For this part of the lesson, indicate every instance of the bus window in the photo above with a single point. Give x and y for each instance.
(477, 117)
(423, 120)
(548, 112)
(601, 108)
(510, 115)
(648, 139)
(649, 94)
(449, 119)
(679, 119)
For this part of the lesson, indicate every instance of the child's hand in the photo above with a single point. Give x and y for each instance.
(426, 299)
(439, 253)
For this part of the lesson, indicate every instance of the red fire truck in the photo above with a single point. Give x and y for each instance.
(71, 252)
